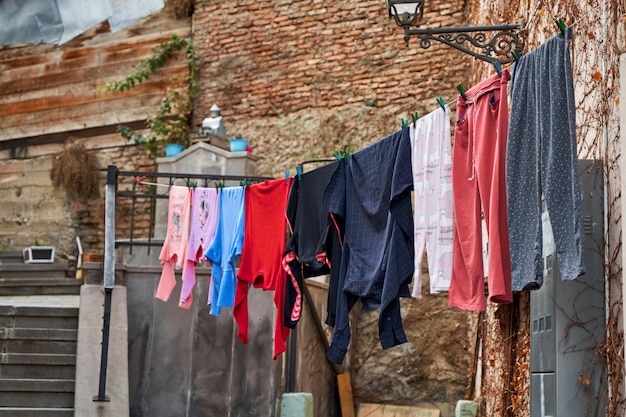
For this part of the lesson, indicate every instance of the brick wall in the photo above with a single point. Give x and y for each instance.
(296, 77)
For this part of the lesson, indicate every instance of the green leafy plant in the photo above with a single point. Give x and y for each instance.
(171, 122)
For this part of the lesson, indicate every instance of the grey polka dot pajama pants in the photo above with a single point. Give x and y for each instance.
(541, 158)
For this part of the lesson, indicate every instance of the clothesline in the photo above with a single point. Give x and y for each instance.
(153, 183)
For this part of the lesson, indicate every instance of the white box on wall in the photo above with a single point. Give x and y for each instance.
(38, 255)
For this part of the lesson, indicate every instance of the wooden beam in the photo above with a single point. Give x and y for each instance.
(61, 137)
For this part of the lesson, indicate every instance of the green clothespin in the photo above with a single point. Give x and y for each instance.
(299, 171)
(442, 103)
(405, 123)
(462, 91)
(338, 155)
(219, 184)
(346, 152)
(516, 55)
(414, 117)
(498, 67)
(561, 24)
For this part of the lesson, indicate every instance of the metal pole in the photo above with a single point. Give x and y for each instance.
(109, 228)
(109, 277)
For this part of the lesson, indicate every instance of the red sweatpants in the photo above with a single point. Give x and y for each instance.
(479, 189)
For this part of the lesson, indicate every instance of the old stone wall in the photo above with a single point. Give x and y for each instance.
(37, 213)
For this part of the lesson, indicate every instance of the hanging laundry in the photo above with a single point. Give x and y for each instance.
(541, 158)
(478, 177)
(431, 158)
(261, 258)
(330, 253)
(309, 225)
(203, 224)
(174, 250)
(371, 191)
(225, 248)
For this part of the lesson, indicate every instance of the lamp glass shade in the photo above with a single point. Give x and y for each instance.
(403, 7)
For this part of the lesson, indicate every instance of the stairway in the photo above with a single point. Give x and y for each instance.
(38, 336)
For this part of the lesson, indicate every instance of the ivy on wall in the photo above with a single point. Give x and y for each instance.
(171, 121)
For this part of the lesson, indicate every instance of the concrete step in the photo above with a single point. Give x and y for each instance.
(18, 271)
(39, 286)
(38, 359)
(62, 347)
(37, 393)
(38, 317)
(11, 257)
(36, 385)
(36, 412)
(37, 366)
(38, 334)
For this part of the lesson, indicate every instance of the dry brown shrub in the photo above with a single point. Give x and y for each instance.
(76, 171)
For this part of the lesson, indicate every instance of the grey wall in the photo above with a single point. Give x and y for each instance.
(188, 363)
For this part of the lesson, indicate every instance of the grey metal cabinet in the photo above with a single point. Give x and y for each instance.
(568, 319)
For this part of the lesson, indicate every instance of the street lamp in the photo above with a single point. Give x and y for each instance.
(502, 47)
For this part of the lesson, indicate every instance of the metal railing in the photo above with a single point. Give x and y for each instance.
(146, 187)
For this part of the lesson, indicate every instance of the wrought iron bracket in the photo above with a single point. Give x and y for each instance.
(500, 46)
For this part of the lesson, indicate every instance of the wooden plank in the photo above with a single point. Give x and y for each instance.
(60, 123)
(54, 69)
(157, 25)
(388, 410)
(344, 384)
(92, 77)
(40, 61)
(78, 93)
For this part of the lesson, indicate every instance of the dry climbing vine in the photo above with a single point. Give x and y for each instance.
(598, 29)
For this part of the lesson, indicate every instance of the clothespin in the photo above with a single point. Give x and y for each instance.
(441, 103)
(462, 91)
(498, 67)
(287, 175)
(561, 24)
(244, 182)
(299, 171)
(219, 184)
(516, 55)
(191, 184)
(414, 117)
(339, 155)
(405, 123)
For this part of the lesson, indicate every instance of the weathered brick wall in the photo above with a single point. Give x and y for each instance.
(302, 79)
